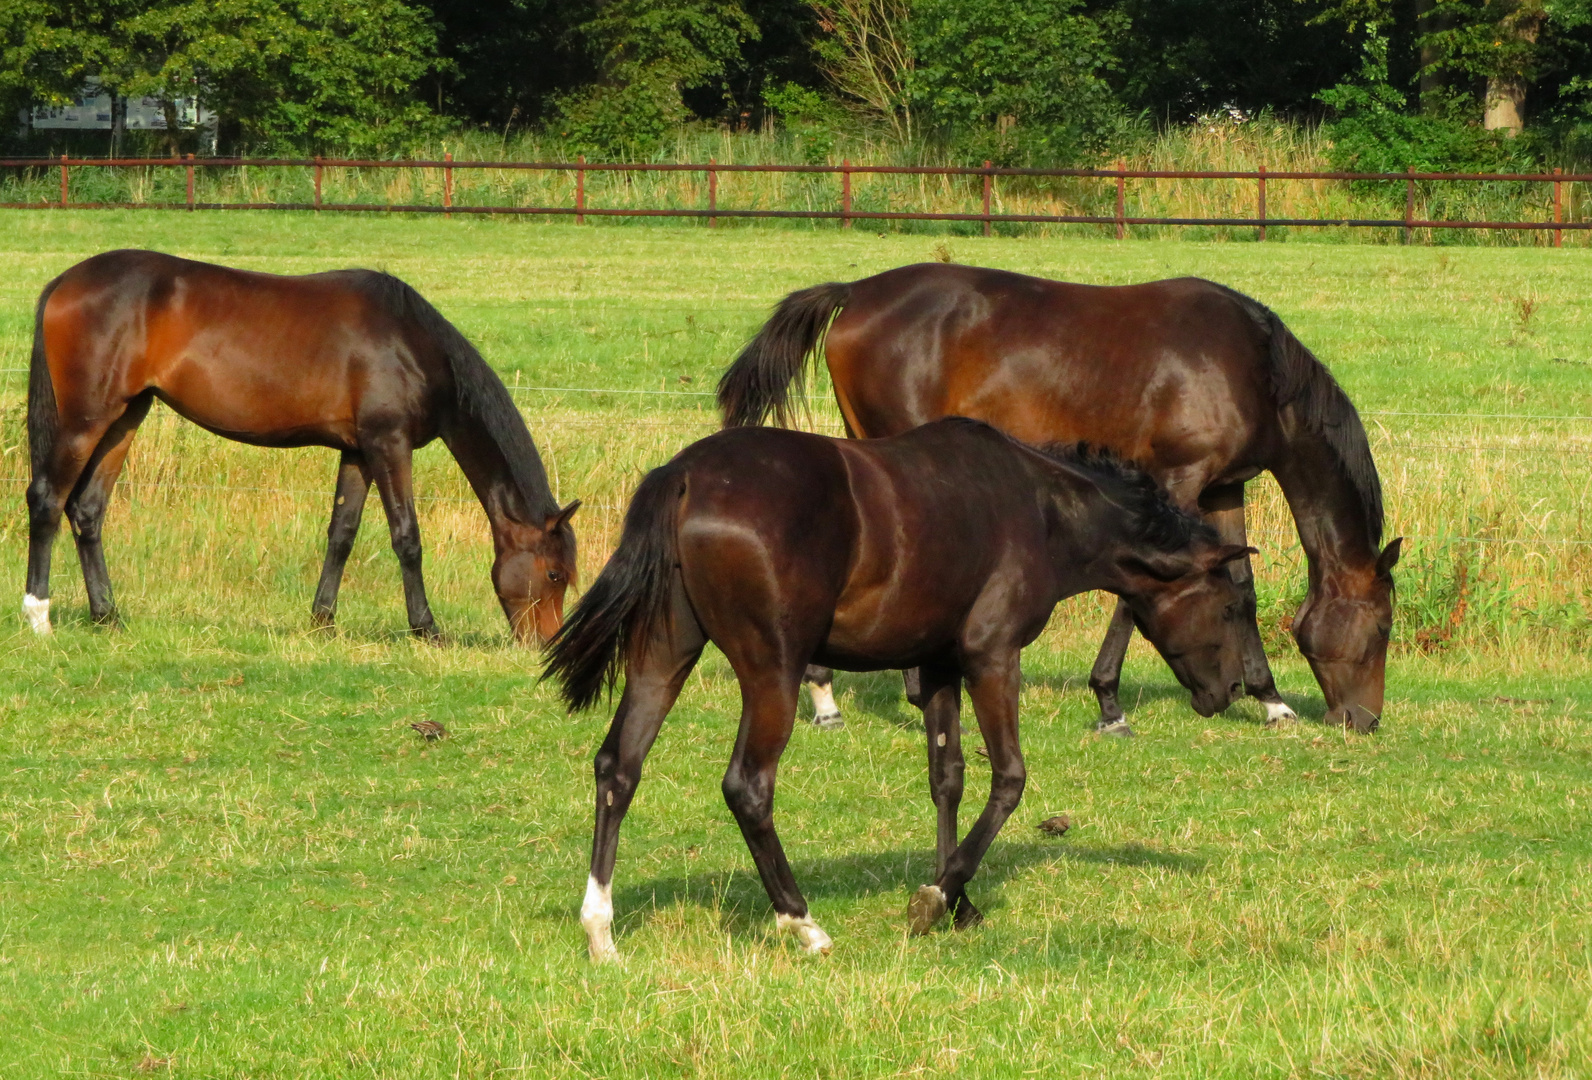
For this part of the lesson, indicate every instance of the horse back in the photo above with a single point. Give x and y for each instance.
(259, 357)
(1165, 373)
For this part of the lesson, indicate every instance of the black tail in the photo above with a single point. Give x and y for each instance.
(44, 418)
(1302, 382)
(627, 600)
(773, 363)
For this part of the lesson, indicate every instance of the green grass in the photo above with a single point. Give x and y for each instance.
(223, 853)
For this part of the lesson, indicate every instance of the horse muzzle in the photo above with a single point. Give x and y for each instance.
(1358, 717)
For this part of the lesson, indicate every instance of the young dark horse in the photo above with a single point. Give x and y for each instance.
(353, 360)
(945, 548)
(1199, 385)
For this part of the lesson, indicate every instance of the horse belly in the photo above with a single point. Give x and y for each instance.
(254, 404)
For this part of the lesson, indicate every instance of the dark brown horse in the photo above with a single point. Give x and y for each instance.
(1199, 385)
(943, 549)
(352, 360)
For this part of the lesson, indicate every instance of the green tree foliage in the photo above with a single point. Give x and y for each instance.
(309, 74)
(1015, 81)
(649, 52)
(488, 75)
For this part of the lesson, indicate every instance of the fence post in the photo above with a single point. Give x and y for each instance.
(1122, 183)
(190, 181)
(447, 183)
(987, 179)
(713, 192)
(317, 181)
(63, 179)
(845, 193)
(1558, 210)
(1263, 204)
(1409, 203)
(580, 191)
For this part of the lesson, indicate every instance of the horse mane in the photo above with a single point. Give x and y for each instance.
(1301, 381)
(480, 394)
(1153, 517)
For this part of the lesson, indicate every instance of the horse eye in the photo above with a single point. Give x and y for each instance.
(555, 575)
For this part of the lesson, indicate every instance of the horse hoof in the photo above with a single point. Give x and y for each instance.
(1114, 729)
(321, 620)
(1278, 714)
(926, 908)
(829, 722)
(811, 936)
(966, 916)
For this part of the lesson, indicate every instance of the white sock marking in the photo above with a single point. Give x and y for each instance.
(37, 612)
(824, 701)
(597, 917)
(813, 939)
(1277, 712)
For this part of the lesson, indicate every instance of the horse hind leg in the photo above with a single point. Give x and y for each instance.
(821, 684)
(1224, 509)
(47, 494)
(653, 679)
(90, 498)
(768, 713)
(348, 506)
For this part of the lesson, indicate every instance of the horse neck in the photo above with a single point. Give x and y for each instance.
(1333, 526)
(492, 479)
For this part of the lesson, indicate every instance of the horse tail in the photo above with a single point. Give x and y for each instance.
(772, 365)
(44, 418)
(629, 598)
(1303, 383)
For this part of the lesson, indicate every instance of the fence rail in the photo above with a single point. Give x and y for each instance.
(845, 213)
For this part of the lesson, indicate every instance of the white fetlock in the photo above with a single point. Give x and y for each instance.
(597, 917)
(826, 714)
(1278, 713)
(812, 937)
(37, 612)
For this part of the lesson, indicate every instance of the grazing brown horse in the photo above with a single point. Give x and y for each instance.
(1197, 384)
(943, 549)
(353, 360)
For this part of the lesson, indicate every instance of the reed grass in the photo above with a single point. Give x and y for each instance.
(1218, 145)
(222, 851)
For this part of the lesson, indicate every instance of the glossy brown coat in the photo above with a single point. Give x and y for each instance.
(1202, 387)
(352, 360)
(944, 549)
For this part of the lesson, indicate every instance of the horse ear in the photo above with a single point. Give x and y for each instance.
(1232, 553)
(1162, 565)
(560, 519)
(1389, 558)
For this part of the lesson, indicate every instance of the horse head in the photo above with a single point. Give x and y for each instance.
(1185, 603)
(1342, 630)
(532, 571)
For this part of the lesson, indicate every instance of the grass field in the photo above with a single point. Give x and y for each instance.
(223, 852)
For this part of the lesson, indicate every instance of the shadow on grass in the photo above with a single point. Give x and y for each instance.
(738, 896)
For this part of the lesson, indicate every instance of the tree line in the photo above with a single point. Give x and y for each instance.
(1430, 83)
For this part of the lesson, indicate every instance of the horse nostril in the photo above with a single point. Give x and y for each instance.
(1236, 689)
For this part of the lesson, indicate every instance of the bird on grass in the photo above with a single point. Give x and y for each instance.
(431, 730)
(1055, 826)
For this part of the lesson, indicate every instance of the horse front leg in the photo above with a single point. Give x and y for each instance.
(392, 468)
(348, 506)
(1228, 519)
(1106, 677)
(994, 688)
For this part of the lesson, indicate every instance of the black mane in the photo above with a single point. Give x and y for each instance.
(481, 395)
(1153, 517)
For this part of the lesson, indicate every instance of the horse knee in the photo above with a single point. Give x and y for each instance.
(406, 542)
(42, 508)
(1006, 786)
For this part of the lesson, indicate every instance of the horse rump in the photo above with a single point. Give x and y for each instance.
(627, 600)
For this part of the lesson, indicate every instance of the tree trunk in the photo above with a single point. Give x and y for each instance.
(1506, 105)
(168, 109)
(1430, 80)
(118, 123)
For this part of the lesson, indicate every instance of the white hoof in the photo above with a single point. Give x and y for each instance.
(37, 612)
(597, 918)
(1278, 713)
(812, 938)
